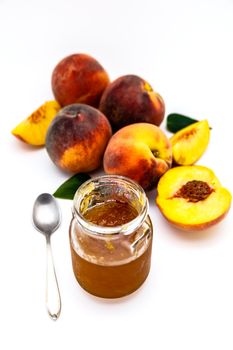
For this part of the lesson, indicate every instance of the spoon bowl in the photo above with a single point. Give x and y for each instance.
(46, 217)
(46, 214)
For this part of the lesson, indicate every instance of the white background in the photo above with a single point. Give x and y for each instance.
(184, 50)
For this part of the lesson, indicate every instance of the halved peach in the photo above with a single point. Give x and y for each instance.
(190, 143)
(192, 198)
(33, 129)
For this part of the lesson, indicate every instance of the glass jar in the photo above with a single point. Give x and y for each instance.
(110, 257)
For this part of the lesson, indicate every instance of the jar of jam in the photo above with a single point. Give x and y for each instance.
(110, 236)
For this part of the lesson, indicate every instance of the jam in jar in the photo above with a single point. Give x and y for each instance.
(110, 236)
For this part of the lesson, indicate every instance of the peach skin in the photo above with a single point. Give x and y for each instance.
(140, 151)
(79, 78)
(77, 138)
(130, 99)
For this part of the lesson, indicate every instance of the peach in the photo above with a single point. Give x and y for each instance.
(140, 151)
(33, 129)
(189, 144)
(77, 138)
(79, 78)
(192, 198)
(130, 99)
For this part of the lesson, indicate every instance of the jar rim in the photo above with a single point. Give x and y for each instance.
(98, 230)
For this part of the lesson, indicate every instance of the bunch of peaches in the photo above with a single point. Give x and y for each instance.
(93, 121)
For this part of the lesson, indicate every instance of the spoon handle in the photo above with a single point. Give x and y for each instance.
(53, 297)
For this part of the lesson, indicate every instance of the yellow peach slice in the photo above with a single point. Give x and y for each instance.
(192, 198)
(33, 129)
(190, 143)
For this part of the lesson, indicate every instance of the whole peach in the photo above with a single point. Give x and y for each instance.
(79, 78)
(130, 99)
(139, 151)
(77, 138)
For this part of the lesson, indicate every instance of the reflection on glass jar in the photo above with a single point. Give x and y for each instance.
(110, 236)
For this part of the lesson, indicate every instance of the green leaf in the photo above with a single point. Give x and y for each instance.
(176, 122)
(69, 187)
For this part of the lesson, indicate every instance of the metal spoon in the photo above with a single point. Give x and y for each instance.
(47, 218)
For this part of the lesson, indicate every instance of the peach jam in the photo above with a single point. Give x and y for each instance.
(110, 236)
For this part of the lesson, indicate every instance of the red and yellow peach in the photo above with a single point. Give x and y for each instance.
(77, 138)
(140, 151)
(79, 78)
(130, 99)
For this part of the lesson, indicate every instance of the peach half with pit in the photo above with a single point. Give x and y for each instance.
(77, 138)
(130, 99)
(33, 129)
(192, 198)
(140, 151)
(79, 78)
(189, 144)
